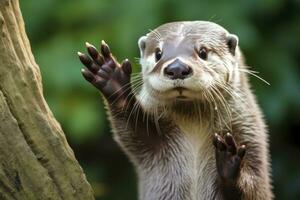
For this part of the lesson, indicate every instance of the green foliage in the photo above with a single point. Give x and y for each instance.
(269, 36)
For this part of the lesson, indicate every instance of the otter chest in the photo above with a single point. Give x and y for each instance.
(198, 140)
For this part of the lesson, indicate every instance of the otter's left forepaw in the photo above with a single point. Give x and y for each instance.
(228, 157)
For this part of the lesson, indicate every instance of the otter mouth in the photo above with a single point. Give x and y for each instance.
(180, 91)
(181, 97)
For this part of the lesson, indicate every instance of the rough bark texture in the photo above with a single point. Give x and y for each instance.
(36, 161)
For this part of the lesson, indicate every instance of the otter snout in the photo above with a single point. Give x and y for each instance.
(178, 70)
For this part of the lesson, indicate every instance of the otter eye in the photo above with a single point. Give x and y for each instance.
(203, 53)
(158, 54)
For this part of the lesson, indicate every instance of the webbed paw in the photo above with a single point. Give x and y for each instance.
(104, 72)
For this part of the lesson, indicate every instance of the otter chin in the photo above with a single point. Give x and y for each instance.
(193, 130)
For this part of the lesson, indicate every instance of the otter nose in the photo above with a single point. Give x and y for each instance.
(177, 70)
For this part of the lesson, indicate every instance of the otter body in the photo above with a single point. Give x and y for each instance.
(193, 131)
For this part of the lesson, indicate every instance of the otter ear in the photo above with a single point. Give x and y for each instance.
(142, 44)
(232, 42)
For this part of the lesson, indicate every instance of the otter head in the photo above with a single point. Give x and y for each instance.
(184, 61)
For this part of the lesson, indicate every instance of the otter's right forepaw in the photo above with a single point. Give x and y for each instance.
(106, 74)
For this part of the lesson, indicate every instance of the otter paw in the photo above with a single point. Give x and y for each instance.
(228, 157)
(105, 73)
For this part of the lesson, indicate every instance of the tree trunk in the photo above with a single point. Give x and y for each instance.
(36, 161)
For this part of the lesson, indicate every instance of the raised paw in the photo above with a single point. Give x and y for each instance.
(105, 73)
(228, 157)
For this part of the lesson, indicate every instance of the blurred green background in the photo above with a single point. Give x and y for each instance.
(269, 33)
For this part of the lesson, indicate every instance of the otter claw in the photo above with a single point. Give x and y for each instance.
(92, 50)
(219, 143)
(87, 75)
(126, 66)
(242, 151)
(230, 143)
(84, 59)
(105, 49)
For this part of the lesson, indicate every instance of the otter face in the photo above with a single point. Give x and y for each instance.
(182, 61)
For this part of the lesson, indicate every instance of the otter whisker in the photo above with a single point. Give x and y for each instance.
(225, 106)
(233, 92)
(135, 108)
(134, 89)
(136, 104)
(136, 73)
(217, 109)
(253, 71)
(141, 98)
(236, 98)
(128, 88)
(134, 79)
(230, 91)
(129, 102)
(228, 74)
(212, 107)
(255, 75)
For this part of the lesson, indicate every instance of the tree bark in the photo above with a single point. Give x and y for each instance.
(36, 161)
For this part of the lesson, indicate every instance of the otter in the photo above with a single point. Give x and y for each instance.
(189, 121)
